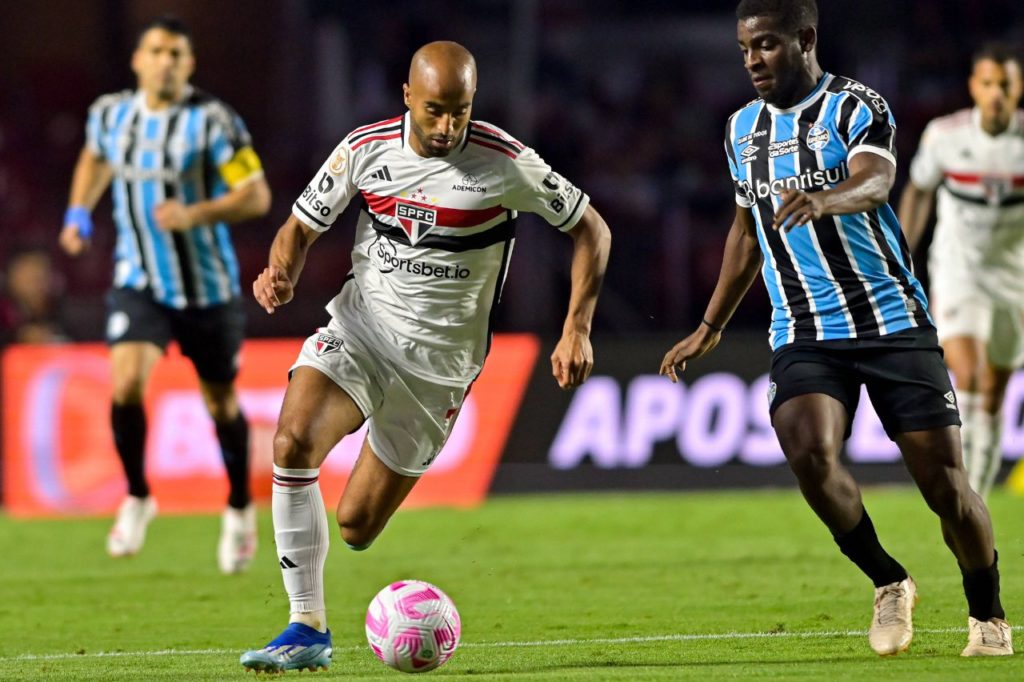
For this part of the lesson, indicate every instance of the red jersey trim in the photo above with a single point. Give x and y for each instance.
(378, 124)
(446, 217)
(374, 138)
(495, 147)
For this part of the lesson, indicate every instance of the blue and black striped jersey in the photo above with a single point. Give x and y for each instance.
(843, 276)
(194, 150)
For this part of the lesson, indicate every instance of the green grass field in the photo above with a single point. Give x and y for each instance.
(627, 587)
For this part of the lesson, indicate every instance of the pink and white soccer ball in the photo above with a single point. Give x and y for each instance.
(413, 626)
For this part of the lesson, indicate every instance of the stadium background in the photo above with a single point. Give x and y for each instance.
(627, 99)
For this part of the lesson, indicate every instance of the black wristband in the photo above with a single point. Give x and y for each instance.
(713, 327)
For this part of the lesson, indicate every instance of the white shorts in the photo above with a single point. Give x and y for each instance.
(962, 309)
(410, 418)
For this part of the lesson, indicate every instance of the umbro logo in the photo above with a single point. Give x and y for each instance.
(966, 154)
(747, 155)
(285, 562)
(381, 173)
(950, 400)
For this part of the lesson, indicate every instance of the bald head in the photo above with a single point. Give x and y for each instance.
(444, 66)
(439, 94)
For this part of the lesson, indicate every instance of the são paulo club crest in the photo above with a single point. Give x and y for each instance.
(996, 188)
(325, 343)
(416, 220)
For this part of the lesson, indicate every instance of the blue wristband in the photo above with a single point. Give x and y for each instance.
(79, 215)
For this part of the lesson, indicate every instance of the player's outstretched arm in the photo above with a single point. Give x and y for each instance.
(251, 199)
(740, 264)
(867, 188)
(88, 183)
(275, 286)
(915, 206)
(573, 358)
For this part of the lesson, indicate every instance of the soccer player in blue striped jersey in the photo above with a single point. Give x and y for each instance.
(812, 161)
(181, 166)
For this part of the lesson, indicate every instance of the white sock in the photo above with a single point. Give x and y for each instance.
(970, 405)
(300, 530)
(987, 454)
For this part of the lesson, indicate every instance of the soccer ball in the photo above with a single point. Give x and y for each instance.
(412, 626)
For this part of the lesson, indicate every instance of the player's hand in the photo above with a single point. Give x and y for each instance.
(692, 347)
(573, 360)
(72, 241)
(797, 208)
(173, 216)
(272, 288)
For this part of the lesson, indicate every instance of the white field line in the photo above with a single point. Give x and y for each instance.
(823, 634)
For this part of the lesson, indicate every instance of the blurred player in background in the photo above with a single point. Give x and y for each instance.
(411, 327)
(812, 161)
(974, 160)
(182, 166)
(30, 301)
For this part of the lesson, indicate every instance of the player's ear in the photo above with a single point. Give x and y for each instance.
(136, 57)
(406, 97)
(808, 38)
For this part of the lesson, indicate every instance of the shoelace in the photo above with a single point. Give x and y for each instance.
(991, 635)
(889, 604)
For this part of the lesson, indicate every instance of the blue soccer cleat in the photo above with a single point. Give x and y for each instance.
(299, 647)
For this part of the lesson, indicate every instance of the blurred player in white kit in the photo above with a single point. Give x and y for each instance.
(974, 161)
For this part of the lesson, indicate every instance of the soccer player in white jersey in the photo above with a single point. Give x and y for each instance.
(974, 160)
(411, 326)
(181, 166)
(812, 162)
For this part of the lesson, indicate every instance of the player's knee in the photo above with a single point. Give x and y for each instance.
(812, 457)
(966, 374)
(292, 450)
(949, 496)
(221, 412)
(128, 389)
(358, 533)
(359, 528)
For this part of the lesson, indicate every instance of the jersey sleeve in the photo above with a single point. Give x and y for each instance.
(532, 186)
(94, 127)
(741, 195)
(328, 193)
(871, 128)
(230, 148)
(926, 169)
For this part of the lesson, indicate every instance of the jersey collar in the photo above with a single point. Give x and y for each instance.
(407, 134)
(826, 78)
(1012, 129)
(140, 98)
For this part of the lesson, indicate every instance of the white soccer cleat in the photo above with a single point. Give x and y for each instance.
(129, 531)
(988, 638)
(892, 627)
(237, 544)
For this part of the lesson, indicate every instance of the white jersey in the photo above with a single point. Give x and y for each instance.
(433, 239)
(979, 235)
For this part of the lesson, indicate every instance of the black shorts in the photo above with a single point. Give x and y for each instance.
(904, 373)
(210, 337)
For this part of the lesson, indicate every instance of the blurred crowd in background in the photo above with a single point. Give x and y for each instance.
(627, 99)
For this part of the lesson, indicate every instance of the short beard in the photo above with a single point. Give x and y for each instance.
(166, 93)
(425, 142)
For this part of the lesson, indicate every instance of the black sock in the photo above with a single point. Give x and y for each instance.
(129, 425)
(234, 448)
(982, 590)
(861, 546)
